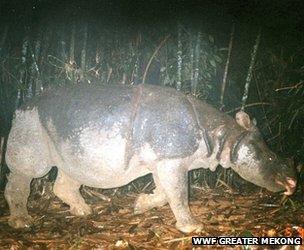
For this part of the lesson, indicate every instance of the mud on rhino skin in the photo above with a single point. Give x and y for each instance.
(107, 136)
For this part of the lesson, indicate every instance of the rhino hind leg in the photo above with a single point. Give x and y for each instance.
(173, 178)
(145, 202)
(67, 189)
(16, 193)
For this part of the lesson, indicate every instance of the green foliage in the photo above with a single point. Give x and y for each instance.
(209, 61)
(280, 79)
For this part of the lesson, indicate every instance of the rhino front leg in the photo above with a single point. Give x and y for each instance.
(145, 202)
(16, 193)
(67, 190)
(173, 178)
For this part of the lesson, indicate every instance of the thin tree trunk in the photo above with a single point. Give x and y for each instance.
(124, 78)
(164, 69)
(72, 71)
(123, 58)
(3, 39)
(44, 69)
(63, 50)
(227, 65)
(152, 57)
(72, 44)
(23, 92)
(191, 61)
(249, 74)
(196, 64)
(136, 69)
(179, 58)
(35, 72)
(97, 67)
(136, 63)
(24, 51)
(84, 48)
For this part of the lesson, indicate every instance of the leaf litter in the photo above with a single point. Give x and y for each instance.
(114, 226)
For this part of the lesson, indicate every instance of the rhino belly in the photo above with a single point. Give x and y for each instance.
(97, 159)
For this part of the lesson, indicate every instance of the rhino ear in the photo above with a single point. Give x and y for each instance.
(243, 119)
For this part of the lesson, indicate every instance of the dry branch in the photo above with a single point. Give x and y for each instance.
(152, 57)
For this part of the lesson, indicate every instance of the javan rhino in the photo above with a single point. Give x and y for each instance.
(107, 136)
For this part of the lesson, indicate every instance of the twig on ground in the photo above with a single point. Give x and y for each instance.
(178, 239)
(99, 195)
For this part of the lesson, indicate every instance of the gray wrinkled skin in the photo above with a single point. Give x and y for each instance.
(105, 137)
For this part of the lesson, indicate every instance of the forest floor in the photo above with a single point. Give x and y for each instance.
(113, 225)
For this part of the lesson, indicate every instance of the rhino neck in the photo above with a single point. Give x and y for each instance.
(220, 132)
(210, 118)
(215, 149)
(225, 143)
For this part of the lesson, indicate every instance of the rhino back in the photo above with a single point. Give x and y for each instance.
(210, 118)
(72, 109)
(163, 118)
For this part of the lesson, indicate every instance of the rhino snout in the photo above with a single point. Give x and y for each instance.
(289, 184)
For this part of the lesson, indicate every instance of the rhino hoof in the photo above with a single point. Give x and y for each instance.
(189, 228)
(82, 210)
(20, 221)
(141, 204)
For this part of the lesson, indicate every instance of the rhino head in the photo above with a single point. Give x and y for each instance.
(256, 163)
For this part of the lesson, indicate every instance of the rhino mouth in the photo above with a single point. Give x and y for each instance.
(289, 184)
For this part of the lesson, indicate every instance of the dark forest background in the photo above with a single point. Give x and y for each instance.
(212, 49)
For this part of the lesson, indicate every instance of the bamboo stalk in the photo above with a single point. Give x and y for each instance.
(136, 69)
(192, 61)
(1, 152)
(72, 44)
(124, 78)
(136, 63)
(196, 63)
(44, 69)
(24, 50)
(22, 80)
(249, 74)
(71, 69)
(84, 48)
(152, 57)
(179, 58)
(164, 69)
(263, 108)
(3, 39)
(63, 47)
(35, 72)
(96, 68)
(37, 50)
(227, 65)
